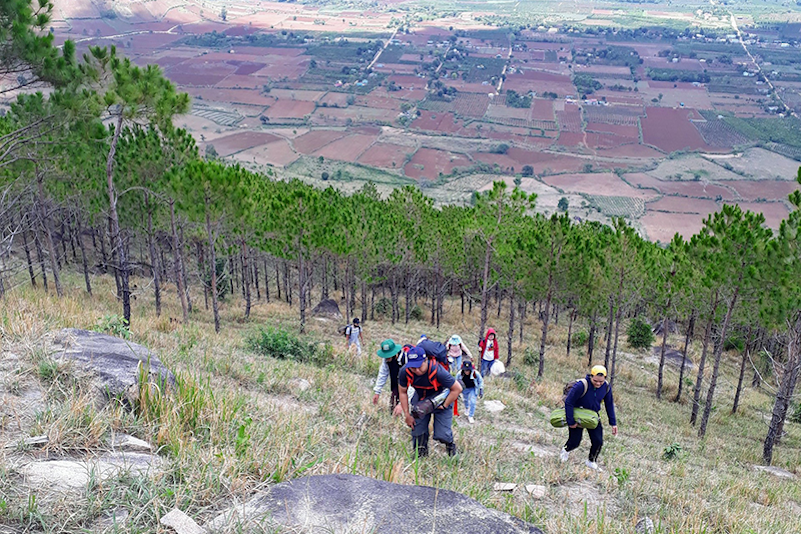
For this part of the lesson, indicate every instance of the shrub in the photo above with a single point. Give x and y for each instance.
(383, 306)
(640, 334)
(734, 342)
(671, 452)
(114, 325)
(416, 313)
(580, 338)
(278, 343)
(530, 356)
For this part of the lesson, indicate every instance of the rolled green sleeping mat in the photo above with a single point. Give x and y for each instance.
(584, 417)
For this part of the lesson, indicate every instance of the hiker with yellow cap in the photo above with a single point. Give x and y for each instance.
(392, 361)
(588, 393)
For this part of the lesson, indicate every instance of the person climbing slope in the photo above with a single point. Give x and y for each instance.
(589, 395)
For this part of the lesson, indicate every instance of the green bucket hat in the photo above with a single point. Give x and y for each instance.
(388, 349)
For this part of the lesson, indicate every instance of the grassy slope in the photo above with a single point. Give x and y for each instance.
(238, 423)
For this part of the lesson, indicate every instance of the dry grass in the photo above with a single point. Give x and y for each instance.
(236, 422)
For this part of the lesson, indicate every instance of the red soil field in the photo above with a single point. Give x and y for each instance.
(570, 139)
(384, 155)
(606, 140)
(433, 162)
(395, 68)
(229, 144)
(669, 129)
(774, 212)
(277, 153)
(542, 109)
(768, 189)
(348, 148)
(247, 67)
(569, 119)
(334, 99)
(605, 184)
(340, 116)
(631, 151)
(621, 130)
(378, 102)
(250, 82)
(680, 188)
(236, 96)
(289, 109)
(661, 226)
(684, 205)
(406, 81)
(435, 121)
(315, 140)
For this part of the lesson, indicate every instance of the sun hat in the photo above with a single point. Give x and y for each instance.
(415, 357)
(388, 349)
(467, 365)
(455, 340)
(598, 370)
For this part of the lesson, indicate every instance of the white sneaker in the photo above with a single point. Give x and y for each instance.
(592, 465)
(564, 455)
(470, 419)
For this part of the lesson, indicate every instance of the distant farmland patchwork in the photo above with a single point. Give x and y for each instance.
(661, 129)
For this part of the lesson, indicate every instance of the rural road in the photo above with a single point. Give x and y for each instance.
(762, 75)
(378, 54)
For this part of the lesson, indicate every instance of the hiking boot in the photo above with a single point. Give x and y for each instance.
(592, 465)
(420, 445)
(451, 449)
(470, 419)
(564, 455)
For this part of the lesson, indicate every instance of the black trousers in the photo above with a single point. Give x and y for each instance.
(596, 440)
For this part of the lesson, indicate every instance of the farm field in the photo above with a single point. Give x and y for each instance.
(276, 85)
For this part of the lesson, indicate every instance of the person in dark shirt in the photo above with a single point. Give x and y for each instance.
(429, 379)
(473, 386)
(390, 353)
(597, 390)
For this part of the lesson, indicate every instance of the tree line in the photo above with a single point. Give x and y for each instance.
(94, 173)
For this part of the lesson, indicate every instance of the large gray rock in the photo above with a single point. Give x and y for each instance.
(349, 504)
(114, 362)
(328, 309)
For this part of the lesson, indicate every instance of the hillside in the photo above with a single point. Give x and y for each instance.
(238, 421)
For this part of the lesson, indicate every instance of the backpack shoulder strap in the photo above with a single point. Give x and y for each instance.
(586, 386)
(432, 373)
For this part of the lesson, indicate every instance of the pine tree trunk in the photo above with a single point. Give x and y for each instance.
(246, 277)
(393, 290)
(301, 289)
(24, 232)
(114, 223)
(699, 380)
(278, 281)
(591, 338)
(609, 325)
(718, 354)
(485, 290)
(498, 298)
(182, 265)
(324, 288)
(522, 317)
(267, 283)
(154, 269)
(662, 351)
(573, 313)
(364, 301)
(40, 257)
(213, 261)
(255, 274)
(784, 395)
(614, 350)
(177, 261)
(102, 238)
(545, 320)
(84, 262)
(510, 334)
(44, 222)
(687, 339)
(746, 357)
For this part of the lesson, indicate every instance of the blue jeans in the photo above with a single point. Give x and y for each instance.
(443, 420)
(485, 366)
(470, 395)
(456, 366)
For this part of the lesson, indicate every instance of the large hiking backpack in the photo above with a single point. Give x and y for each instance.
(432, 376)
(569, 386)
